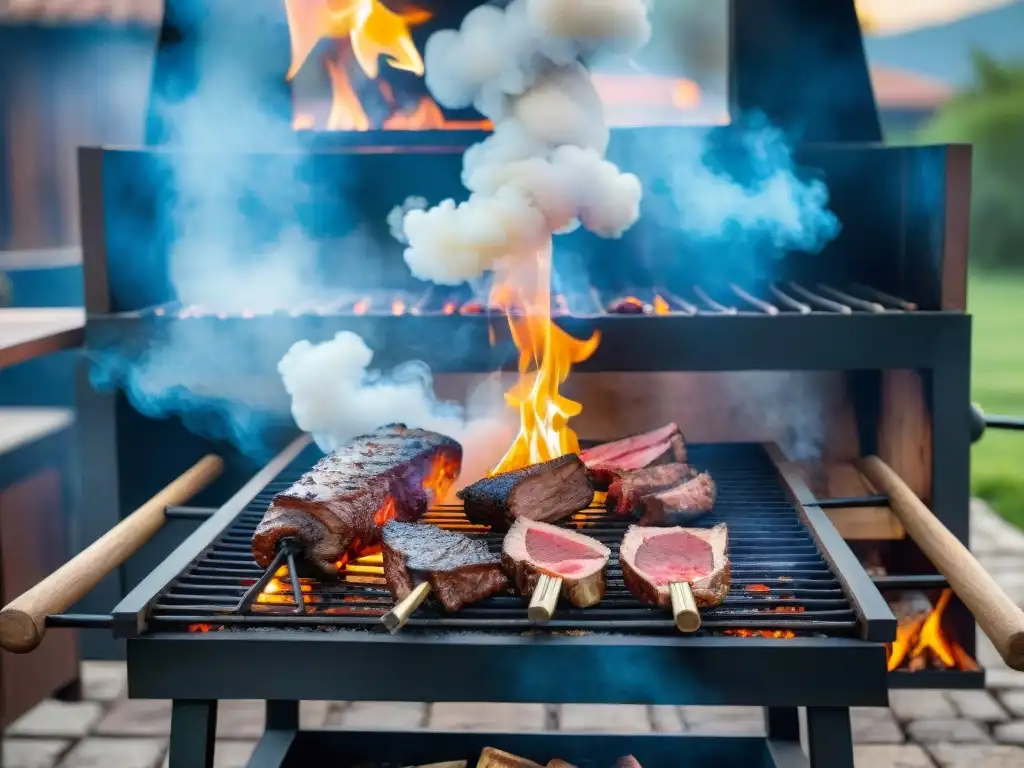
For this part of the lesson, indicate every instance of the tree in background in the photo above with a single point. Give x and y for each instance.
(990, 115)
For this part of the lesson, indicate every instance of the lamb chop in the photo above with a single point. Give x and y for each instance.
(608, 461)
(686, 568)
(629, 490)
(394, 472)
(681, 504)
(546, 492)
(546, 561)
(420, 558)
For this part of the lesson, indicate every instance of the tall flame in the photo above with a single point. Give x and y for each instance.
(546, 356)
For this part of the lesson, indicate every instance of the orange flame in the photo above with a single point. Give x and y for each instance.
(661, 306)
(546, 356)
(922, 636)
(397, 307)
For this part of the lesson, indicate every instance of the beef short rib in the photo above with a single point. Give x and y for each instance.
(531, 549)
(460, 570)
(653, 558)
(546, 492)
(681, 504)
(346, 498)
(627, 492)
(608, 461)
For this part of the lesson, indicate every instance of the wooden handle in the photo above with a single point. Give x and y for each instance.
(23, 621)
(997, 615)
(545, 598)
(684, 607)
(395, 619)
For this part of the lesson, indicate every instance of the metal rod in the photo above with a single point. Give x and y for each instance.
(853, 502)
(764, 306)
(878, 295)
(853, 301)
(80, 621)
(789, 301)
(913, 581)
(714, 305)
(1014, 423)
(821, 301)
(261, 583)
(189, 513)
(293, 574)
(680, 302)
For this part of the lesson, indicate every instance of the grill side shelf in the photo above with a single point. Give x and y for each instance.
(876, 618)
(130, 615)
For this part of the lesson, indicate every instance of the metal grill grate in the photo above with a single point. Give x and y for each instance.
(781, 584)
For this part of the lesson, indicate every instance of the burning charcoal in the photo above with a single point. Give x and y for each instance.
(630, 305)
(608, 461)
(684, 503)
(547, 561)
(495, 758)
(686, 568)
(627, 492)
(546, 492)
(392, 473)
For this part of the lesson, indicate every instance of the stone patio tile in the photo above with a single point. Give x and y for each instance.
(137, 717)
(977, 756)
(484, 716)
(397, 715)
(313, 714)
(240, 718)
(875, 725)
(978, 705)
(666, 719)
(58, 718)
(890, 756)
(232, 754)
(1003, 678)
(952, 731)
(104, 680)
(1010, 733)
(920, 705)
(724, 721)
(33, 753)
(610, 718)
(1014, 702)
(99, 752)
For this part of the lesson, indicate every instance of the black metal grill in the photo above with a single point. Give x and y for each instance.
(781, 584)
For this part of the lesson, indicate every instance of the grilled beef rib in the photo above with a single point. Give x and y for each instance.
(628, 491)
(546, 492)
(608, 461)
(683, 503)
(653, 558)
(347, 495)
(460, 570)
(531, 549)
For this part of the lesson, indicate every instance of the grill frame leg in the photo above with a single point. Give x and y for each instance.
(829, 737)
(193, 733)
(279, 735)
(782, 728)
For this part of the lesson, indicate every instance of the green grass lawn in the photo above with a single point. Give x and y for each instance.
(996, 301)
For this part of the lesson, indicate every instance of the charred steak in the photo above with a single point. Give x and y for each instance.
(628, 491)
(653, 558)
(460, 570)
(533, 548)
(349, 494)
(611, 460)
(682, 504)
(546, 492)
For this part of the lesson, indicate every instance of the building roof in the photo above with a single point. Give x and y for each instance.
(135, 12)
(900, 89)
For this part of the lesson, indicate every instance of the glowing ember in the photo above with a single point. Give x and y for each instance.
(546, 356)
(921, 642)
(661, 307)
(397, 307)
(361, 307)
(449, 308)
(758, 588)
(771, 634)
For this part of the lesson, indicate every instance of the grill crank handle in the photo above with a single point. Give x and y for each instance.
(997, 615)
(395, 619)
(23, 621)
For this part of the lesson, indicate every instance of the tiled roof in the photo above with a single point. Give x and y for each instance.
(139, 12)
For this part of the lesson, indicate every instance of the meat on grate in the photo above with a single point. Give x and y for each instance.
(532, 548)
(681, 504)
(608, 461)
(627, 492)
(654, 558)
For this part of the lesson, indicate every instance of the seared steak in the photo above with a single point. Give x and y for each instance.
(611, 460)
(628, 762)
(627, 492)
(546, 492)
(344, 500)
(653, 558)
(460, 570)
(682, 504)
(531, 548)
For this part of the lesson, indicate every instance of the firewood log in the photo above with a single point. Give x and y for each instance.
(495, 758)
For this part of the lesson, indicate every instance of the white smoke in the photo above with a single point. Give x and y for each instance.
(335, 396)
(543, 169)
(396, 216)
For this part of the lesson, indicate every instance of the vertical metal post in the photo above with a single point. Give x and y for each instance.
(782, 723)
(829, 738)
(193, 733)
(282, 715)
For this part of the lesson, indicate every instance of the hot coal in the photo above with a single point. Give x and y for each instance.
(654, 558)
(546, 492)
(460, 570)
(629, 306)
(348, 495)
(626, 493)
(609, 461)
(681, 504)
(532, 548)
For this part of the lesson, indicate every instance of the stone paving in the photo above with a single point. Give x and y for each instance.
(920, 729)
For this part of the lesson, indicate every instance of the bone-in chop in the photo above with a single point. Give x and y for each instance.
(546, 561)
(608, 461)
(392, 473)
(421, 558)
(627, 492)
(686, 568)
